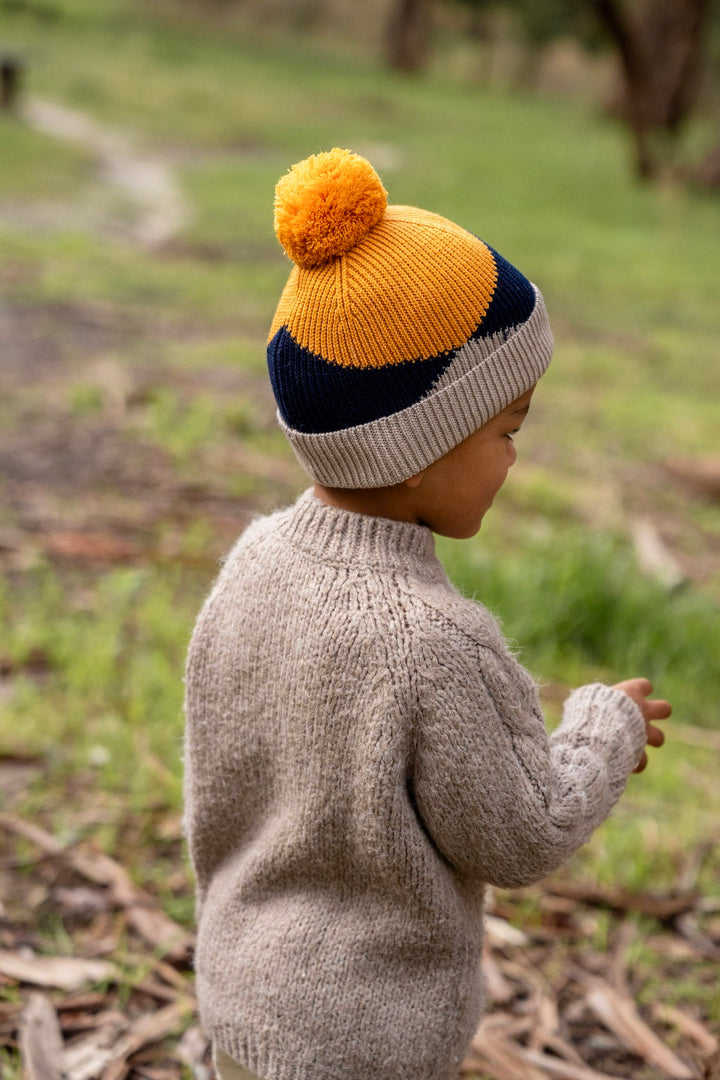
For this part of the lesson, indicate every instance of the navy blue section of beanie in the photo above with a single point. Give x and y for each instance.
(512, 302)
(314, 395)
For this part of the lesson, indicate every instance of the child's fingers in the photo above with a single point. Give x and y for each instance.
(655, 737)
(657, 710)
(652, 710)
(635, 688)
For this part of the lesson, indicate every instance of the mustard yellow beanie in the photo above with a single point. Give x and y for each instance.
(398, 333)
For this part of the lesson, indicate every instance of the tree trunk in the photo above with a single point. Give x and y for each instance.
(10, 74)
(707, 175)
(408, 35)
(660, 46)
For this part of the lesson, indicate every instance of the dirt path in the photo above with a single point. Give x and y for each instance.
(146, 180)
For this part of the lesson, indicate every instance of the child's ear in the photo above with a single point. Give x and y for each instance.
(413, 481)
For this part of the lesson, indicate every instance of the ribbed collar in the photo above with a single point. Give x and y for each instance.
(343, 536)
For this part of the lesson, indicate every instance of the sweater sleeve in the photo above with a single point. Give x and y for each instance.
(501, 801)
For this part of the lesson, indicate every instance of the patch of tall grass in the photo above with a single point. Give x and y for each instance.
(106, 694)
(579, 607)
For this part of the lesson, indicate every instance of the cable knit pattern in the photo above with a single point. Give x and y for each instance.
(363, 754)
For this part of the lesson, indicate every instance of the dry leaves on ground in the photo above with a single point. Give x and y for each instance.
(122, 1005)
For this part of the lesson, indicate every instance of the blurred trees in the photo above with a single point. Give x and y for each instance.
(666, 52)
(660, 47)
(540, 21)
(408, 34)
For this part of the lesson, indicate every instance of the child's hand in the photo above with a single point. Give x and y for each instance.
(638, 690)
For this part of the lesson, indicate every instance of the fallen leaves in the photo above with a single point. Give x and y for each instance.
(106, 1051)
(59, 1040)
(142, 912)
(617, 1012)
(529, 1038)
(40, 1040)
(122, 1006)
(147, 997)
(62, 972)
(558, 1008)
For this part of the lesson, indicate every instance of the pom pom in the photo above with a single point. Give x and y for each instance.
(326, 204)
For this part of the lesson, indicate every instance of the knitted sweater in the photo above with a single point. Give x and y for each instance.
(363, 754)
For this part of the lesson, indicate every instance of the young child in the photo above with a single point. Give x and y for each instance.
(363, 753)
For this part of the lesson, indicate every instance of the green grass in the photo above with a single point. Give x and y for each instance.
(24, 174)
(113, 685)
(576, 602)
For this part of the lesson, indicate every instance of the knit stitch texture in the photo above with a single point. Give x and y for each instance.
(363, 755)
(398, 333)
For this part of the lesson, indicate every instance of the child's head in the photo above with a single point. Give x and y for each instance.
(398, 334)
(453, 494)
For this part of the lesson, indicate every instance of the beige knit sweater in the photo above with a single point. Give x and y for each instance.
(363, 754)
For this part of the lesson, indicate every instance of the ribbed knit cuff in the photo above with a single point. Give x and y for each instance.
(261, 1055)
(608, 716)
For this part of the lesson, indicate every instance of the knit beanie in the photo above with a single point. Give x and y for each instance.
(398, 333)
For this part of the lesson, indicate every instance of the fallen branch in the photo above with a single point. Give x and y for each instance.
(618, 899)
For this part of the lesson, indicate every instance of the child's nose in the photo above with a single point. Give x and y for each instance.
(512, 455)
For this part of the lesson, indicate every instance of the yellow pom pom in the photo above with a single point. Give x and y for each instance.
(326, 204)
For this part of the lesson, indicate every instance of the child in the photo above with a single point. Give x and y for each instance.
(363, 752)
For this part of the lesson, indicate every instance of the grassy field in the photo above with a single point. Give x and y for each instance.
(137, 431)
